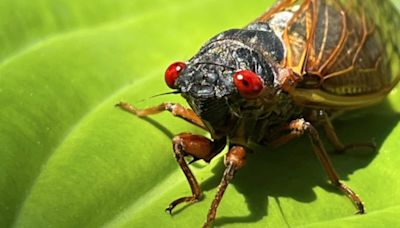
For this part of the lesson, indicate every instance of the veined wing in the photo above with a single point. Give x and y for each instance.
(346, 52)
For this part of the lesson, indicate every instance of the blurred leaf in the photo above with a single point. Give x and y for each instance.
(70, 159)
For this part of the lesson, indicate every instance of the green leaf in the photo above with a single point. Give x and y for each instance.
(69, 158)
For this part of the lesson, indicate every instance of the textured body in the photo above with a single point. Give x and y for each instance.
(209, 91)
(335, 57)
(298, 65)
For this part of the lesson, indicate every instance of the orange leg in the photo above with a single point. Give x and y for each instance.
(199, 147)
(184, 144)
(299, 127)
(234, 160)
(176, 110)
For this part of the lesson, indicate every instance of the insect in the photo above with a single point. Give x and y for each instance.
(299, 65)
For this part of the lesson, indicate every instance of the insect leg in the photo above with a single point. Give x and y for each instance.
(301, 127)
(199, 147)
(234, 160)
(176, 110)
(334, 140)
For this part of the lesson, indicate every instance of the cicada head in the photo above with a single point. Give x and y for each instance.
(225, 81)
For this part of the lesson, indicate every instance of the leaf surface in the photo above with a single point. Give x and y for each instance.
(69, 158)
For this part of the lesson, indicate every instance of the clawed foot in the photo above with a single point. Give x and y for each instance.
(189, 199)
(170, 208)
(360, 208)
(360, 212)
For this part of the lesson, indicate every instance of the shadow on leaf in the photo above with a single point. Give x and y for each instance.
(292, 171)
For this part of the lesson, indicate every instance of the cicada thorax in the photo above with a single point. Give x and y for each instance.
(209, 86)
(344, 51)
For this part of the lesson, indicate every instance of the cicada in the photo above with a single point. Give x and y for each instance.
(299, 65)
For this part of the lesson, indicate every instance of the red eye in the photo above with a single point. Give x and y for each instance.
(248, 83)
(172, 73)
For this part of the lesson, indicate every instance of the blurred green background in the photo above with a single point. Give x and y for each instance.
(68, 158)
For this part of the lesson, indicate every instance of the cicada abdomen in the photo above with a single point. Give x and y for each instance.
(345, 52)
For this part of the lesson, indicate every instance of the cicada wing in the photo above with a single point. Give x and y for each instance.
(369, 50)
(346, 52)
(279, 6)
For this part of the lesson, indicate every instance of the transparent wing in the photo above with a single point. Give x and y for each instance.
(346, 51)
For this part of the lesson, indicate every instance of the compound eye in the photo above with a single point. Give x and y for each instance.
(173, 72)
(248, 83)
